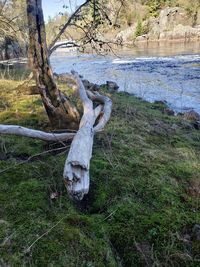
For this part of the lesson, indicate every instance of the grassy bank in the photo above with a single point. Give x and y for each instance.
(143, 207)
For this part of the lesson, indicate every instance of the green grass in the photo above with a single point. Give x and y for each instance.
(143, 201)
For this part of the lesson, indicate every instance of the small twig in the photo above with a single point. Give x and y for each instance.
(110, 215)
(46, 233)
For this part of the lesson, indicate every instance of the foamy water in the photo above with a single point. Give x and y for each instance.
(175, 79)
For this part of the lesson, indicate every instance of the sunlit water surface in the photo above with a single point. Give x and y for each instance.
(171, 74)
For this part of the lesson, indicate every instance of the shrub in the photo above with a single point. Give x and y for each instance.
(139, 29)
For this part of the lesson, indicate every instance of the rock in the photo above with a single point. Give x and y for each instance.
(196, 125)
(191, 116)
(91, 86)
(112, 86)
(181, 32)
(126, 34)
(172, 16)
(154, 29)
(173, 23)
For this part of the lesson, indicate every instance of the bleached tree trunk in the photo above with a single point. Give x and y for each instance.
(77, 165)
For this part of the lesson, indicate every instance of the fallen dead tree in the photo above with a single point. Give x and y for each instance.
(76, 169)
(62, 113)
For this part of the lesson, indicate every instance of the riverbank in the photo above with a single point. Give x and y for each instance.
(158, 72)
(143, 205)
(152, 74)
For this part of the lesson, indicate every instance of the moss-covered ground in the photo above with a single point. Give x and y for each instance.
(143, 208)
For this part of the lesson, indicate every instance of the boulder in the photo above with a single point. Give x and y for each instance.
(172, 16)
(91, 86)
(112, 86)
(126, 34)
(181, 32)
(173, 23)
(191, 116)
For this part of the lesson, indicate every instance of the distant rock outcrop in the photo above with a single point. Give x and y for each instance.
(173, 24)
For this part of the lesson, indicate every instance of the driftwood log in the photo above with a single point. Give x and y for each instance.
(76, 169)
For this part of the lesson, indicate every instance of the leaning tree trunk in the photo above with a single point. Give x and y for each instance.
(61, 113)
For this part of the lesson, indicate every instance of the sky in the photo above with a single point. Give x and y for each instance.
(53, 7)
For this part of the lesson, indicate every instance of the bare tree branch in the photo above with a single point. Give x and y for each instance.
(68, 23)
(22, 131)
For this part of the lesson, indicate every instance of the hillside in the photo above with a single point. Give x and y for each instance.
(136, 22)
(146, 21)
(143, 206)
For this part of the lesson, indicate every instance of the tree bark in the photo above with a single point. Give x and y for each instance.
(61, 113)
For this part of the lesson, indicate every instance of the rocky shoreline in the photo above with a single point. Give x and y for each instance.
(191, 118)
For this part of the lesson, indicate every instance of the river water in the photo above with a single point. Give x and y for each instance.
(171, 74)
